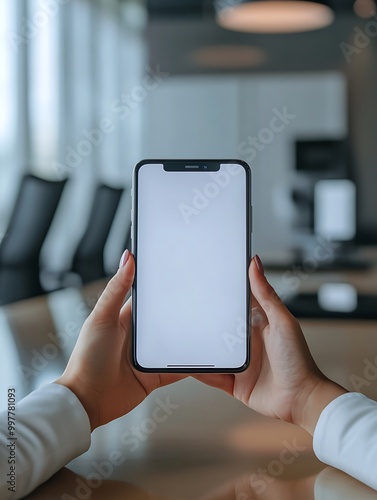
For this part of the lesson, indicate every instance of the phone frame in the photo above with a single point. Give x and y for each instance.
(180, 165)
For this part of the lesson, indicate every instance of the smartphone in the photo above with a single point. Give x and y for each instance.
(191, 238)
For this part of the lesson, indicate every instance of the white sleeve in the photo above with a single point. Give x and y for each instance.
(345, 437)
(52, 428)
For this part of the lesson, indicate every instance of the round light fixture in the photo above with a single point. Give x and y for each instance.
(271, 16)
(365, 8)
(228, 57)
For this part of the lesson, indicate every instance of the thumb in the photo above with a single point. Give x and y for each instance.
(108, 307)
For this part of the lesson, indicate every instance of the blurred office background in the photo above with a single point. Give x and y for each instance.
(90, 87)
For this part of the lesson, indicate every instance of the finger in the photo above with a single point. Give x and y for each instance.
(249, 377)
(265, 295)
(126, 315)
(225, 382)
(258, 317)
(110, 303)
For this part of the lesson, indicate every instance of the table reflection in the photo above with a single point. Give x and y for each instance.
(329, 484)
(210, 447)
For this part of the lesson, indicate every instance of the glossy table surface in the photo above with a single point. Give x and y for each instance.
(187, 441)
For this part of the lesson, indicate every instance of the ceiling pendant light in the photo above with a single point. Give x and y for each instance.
(275, 16)
(365, 8)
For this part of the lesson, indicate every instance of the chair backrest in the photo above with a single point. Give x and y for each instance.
(88, 258)
(35, 207)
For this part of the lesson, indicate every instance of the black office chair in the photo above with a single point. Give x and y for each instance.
(35, 207)
(88, 260)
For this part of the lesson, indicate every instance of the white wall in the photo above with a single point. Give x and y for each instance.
(212, 117)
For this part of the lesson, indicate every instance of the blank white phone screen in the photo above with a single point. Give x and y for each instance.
(191, 256)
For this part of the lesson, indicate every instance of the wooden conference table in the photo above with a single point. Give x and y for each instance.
(204, 444)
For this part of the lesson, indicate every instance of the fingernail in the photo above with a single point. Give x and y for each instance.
(259, 264)
(124, 258)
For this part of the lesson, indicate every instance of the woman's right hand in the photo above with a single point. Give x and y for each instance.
(282, 380)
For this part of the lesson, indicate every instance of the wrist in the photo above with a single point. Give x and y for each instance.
(89, 407)
(312, 400)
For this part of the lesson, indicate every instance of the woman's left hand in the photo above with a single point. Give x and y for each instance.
(100, 371)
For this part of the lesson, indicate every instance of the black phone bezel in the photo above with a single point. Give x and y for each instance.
(179, 165)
